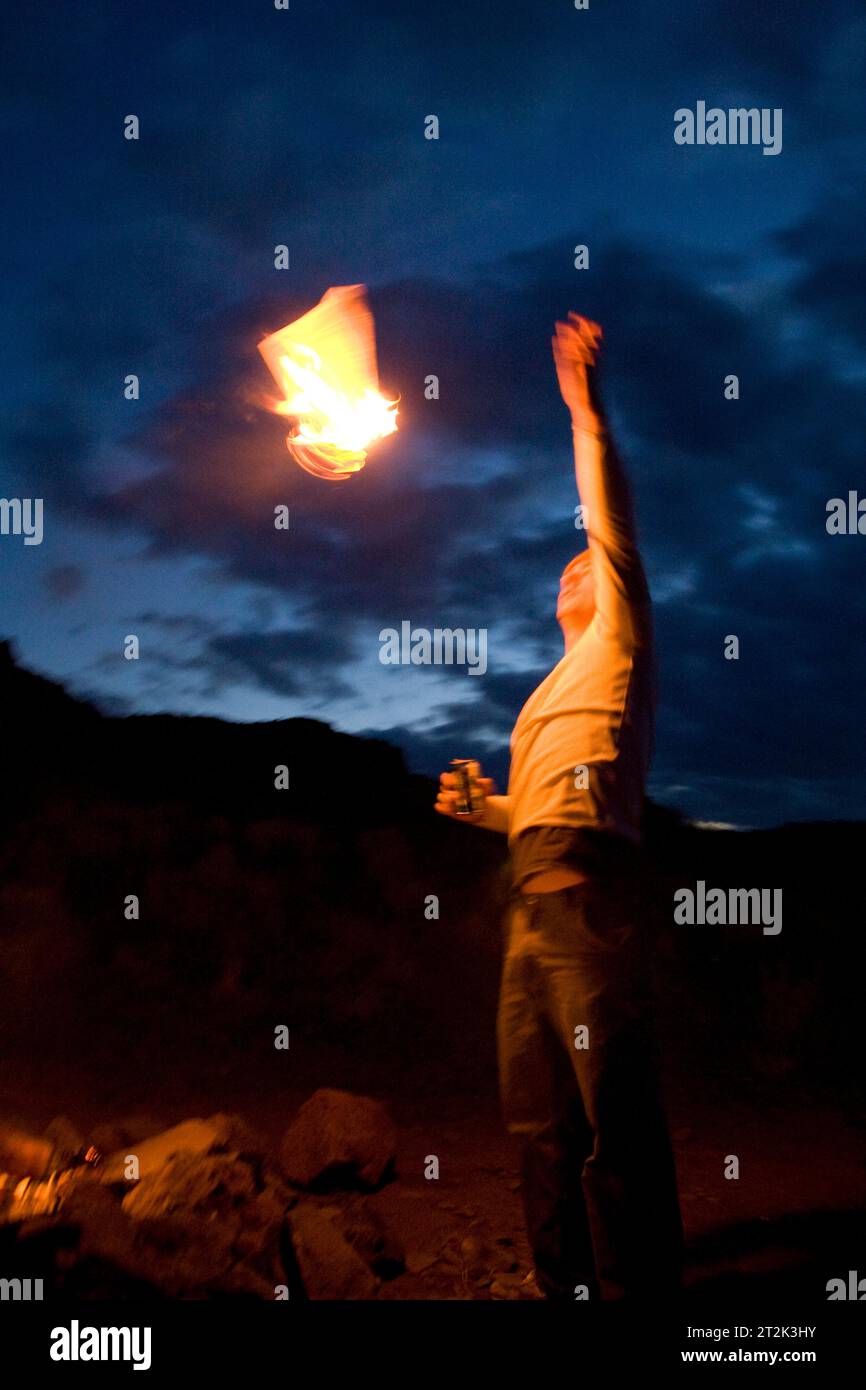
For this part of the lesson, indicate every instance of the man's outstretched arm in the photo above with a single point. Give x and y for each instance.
(621, 591)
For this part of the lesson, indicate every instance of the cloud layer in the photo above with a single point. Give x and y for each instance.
(703, 263)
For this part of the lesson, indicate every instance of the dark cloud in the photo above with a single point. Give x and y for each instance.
(732, 492)
(289, 663)
(65, 581)
(781, 39)
(556, 128)
(829, 246)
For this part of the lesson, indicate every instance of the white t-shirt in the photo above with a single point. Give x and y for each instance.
(582, 744)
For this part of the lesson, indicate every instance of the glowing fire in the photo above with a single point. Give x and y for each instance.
(23, 1198)
(325, 366)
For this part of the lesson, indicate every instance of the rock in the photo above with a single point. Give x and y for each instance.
(339, 1139)
(329, 1267)
(88, 1249)
(419, 1260)
(191, 1137)
(123, 1133)
(449, 1256)
(209, 1185)
(66, 1139)
(108, 1138)
(369, 1235)
(24, 1154)
(197, 1228)
(214, 1201)
(476, 1255)
(207, 1218)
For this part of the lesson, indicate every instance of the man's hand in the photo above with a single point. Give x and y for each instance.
(447, 798)
(575, 351)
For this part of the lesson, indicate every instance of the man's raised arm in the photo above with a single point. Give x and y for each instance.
(621, 592)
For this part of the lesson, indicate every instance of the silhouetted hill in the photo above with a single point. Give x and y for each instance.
(311, 906)
(64, 742)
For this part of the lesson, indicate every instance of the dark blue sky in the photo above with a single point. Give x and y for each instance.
(306, 128)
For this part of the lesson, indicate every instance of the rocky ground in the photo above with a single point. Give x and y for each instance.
(256, 911)
(335, 1198)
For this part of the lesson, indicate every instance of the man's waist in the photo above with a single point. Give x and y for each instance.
(556, 851)
(552, 880)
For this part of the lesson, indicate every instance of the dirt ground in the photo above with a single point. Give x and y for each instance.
(794, 1218)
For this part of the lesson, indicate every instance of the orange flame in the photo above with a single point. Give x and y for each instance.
(325, 366)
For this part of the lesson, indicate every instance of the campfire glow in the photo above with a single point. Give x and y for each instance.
(325, 366)
(23, 1198)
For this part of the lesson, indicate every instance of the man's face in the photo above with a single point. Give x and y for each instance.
(576, 603)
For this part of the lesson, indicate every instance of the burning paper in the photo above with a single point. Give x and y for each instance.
(325, 366)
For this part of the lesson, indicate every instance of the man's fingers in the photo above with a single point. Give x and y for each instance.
(447, 797)
(585, 325)
(580, 338)
(572, 346)
(587, 328)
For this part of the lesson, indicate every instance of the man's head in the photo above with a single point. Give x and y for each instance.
(575, 606)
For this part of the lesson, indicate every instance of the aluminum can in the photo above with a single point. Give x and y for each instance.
(470, 798)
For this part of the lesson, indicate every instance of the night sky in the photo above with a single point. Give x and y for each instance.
(260, 127)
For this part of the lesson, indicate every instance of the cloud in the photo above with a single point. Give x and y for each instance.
(303, 662)
(828, 244)
(65, 581)
(731, 493)
(551, 133)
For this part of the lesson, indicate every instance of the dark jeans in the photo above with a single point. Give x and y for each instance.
(599, 1184)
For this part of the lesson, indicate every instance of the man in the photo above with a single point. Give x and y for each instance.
(574, 1028)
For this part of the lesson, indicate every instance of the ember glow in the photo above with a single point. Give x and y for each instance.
(325, 365)
(23, 1198)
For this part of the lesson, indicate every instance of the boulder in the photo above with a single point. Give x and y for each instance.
(207, 1185)
(67, 1139)
(117, 1134)
(26, 1155)
(339, 1140)
(370, 1236)
(329, 1267)
(213, 1202)
(219, 1133)
(197, 1228)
